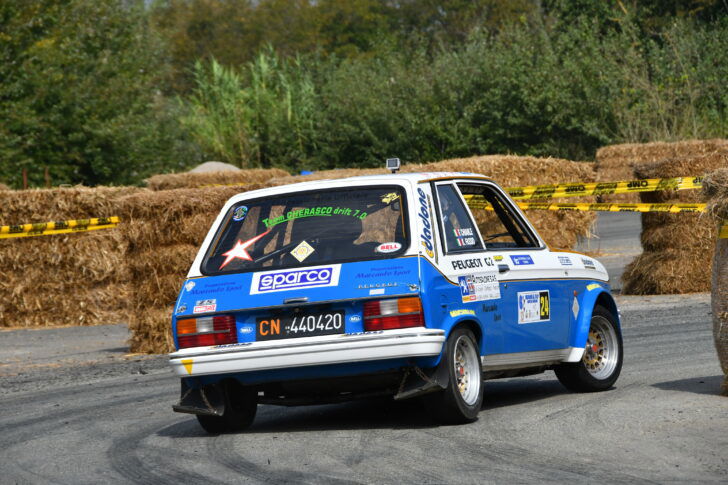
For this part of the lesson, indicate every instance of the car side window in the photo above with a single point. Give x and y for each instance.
(457, 226)
(500, 226)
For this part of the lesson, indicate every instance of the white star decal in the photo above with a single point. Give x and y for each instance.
(239, 251)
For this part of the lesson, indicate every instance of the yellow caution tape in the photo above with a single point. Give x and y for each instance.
(586, 207)
(58, 227)
(602, 188)
(723, 233)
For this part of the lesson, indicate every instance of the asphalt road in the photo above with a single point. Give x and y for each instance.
(76, 409)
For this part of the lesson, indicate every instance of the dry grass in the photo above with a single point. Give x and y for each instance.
(195, 180)
(715, 190)
(689, 238)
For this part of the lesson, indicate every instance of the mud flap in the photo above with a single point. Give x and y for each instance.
(208, 400)
(416, 381)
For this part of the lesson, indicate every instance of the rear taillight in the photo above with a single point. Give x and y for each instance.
(205, 331)
(393, 313)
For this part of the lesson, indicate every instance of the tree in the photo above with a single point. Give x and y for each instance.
(81, 92)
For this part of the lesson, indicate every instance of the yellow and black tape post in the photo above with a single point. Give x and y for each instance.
(586, 207)
(604, 188)
(59, 227)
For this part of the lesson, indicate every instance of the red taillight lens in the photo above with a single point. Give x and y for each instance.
(393, 313)
(206, 331)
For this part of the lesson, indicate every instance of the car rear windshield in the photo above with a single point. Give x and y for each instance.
(310, 228)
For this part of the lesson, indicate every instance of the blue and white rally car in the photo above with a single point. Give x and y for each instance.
(402, 284)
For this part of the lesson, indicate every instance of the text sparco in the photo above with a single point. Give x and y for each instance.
(295, 279)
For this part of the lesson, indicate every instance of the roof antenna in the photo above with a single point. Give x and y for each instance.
(393, 164)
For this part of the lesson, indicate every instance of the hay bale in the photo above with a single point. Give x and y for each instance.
(618, 162)
(68, 279)
(198, 179)
(715, 189)
(508, 171)
(151, 331)
(162, 234)
(686, 237)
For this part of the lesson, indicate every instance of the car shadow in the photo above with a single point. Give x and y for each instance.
(382, 413)
(696, 385)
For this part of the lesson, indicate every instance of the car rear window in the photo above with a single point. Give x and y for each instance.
(310, 228)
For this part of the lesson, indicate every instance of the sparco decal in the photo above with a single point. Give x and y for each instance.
(426, 234)
(295, 279)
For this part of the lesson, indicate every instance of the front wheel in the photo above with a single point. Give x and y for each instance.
(601, 364)
(241, 404)
(460, 402)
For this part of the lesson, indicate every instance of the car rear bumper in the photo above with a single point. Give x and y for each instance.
(308, 351)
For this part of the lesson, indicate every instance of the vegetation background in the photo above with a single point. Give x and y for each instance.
(111, 91)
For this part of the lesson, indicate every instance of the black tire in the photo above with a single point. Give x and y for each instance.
(241, 403)
(599, 369)
(460, 402)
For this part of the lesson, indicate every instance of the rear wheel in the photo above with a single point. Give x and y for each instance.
(460, 402)
(601, 364)
(241, 403)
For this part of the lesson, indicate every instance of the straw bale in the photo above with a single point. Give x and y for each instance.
(719, 303)
(197, 179)
(617, 162)
(687, 231)
(151, 331)
(715, 189)
(671, 271)
(163, 260)
(68, 279)
(44, 205)
(508, 171)
(4, 187)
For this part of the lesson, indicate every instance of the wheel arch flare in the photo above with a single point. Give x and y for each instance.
(593, 294)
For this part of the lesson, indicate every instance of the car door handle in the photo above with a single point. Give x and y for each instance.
(502, 268)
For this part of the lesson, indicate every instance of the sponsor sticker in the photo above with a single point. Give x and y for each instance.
(498, 258)
(389, 247)
(246, 329)
(390, 197)
(575, 308)
(462, 311)
(181, 309)
(521, 259)
(593, 286)
(565, 261)
(239, 213)
(204, 306)
(479, 287)
(470, 263)
(534, 306)
(464, 236)
(588, 263)
(240, 250)
(302, 251)
(355, 318)
(295, 279)
(189, 285)
(426, 233)
(377, 291)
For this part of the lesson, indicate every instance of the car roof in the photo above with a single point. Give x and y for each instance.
(411, 178)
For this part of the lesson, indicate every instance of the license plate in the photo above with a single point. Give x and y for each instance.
(299, 325)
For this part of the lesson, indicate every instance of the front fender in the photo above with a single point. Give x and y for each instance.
(594, 293)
